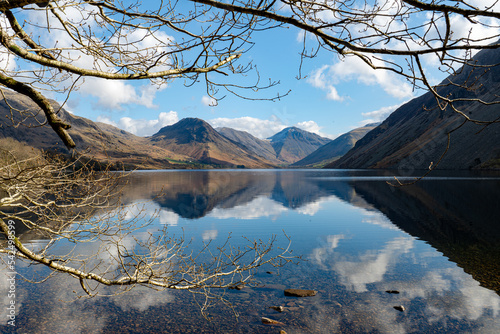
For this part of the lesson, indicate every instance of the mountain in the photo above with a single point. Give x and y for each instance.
(197, 139)
(415, 135)
(262, 148)
(292, 144)
(97, 141)
(334, 149)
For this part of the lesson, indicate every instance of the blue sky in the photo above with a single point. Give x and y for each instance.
(360, 95)
(333, 97)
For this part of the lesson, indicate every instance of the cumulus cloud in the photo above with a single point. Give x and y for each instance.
(261, 128)
(142, 127)
(354, 69)
(319, 79)
(313, 127)
(109, 94)
(379, 115)
(264, 128)
(113, 94)
(208, 101)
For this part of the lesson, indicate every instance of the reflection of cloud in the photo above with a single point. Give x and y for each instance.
(379, 219)
(169, 217)
(313, 208)
(320, 254)
(371, 266)
(209, 235)
(257, 208)
(142, 298)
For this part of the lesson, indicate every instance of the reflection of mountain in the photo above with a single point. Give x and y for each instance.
(458, 218)
(194, 194)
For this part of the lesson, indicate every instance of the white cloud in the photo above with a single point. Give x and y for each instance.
(313, 127)
(142, 127)
(379, 115)
(353, 68)
(208, 101)
(261, 128)
(264, 128)
(319, 80)
(137, 44)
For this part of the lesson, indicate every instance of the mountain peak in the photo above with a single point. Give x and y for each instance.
(188, 130)
(292, 144)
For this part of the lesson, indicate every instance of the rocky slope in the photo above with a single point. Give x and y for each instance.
(415, 135)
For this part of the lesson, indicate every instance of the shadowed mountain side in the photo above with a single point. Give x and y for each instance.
(292, 144)
(99, 141)
(195, 138)
(334, 149)
(415, 134)
(259, 147)
(458, 218)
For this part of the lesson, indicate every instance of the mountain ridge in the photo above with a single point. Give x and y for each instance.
(415, 135)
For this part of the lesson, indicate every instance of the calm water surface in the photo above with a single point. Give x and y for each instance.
(436, 243)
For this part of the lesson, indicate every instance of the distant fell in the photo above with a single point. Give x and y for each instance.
(292, 144)
(199, 141)
(334, 149)
(262, 148)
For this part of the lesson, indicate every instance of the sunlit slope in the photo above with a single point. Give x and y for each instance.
(195, 138)
(99, 141)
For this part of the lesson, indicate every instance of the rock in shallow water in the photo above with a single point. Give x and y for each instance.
(277, 308)
(268, 321)
(300, 293)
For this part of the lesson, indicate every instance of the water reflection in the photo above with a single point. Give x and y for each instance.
(436, 243)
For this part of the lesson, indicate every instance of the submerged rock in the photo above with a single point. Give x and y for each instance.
(392, 291)
(300, 293)
(273, 322)
(400, 308)
(277, 308)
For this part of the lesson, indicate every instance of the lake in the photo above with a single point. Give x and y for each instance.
(434, 246)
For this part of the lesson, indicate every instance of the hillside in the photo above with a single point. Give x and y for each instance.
(292, 144)
(102, 142)
(415, 134)
(195, 138)
(334, 149)
(259, 147)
